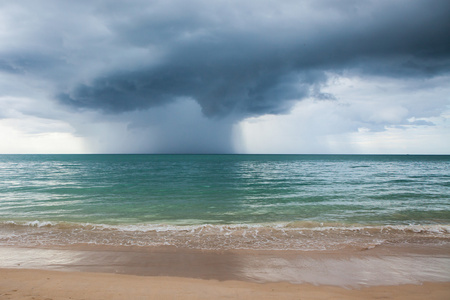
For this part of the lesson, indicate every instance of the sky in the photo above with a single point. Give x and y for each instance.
(225, 76)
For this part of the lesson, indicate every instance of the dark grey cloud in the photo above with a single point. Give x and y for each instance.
(254, 58)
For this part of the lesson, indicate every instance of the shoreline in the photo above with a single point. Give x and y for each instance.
(349, 268)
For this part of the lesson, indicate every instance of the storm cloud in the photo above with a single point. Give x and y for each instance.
(235, 59)
(257, 60)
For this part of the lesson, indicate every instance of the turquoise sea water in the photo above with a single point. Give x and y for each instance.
(245, 200)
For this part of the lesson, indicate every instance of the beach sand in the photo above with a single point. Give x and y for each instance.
(56, 285)
(89, 272)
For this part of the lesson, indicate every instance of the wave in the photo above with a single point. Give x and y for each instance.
(278, 236)
(296, 225)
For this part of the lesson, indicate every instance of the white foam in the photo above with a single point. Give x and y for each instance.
(147, 227)
(274, 236)
(40, 223)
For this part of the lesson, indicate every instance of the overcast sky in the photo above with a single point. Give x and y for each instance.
(248, 76)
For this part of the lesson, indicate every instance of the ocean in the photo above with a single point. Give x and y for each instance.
(269, 202)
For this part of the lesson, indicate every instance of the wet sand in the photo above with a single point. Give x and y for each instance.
(348, 268)
(87, 272)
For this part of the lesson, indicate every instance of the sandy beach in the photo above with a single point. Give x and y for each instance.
(38, 284)
(91, 272)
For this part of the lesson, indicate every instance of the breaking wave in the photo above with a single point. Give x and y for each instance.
(278, 236)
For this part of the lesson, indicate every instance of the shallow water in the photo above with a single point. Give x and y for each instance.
(291, 236)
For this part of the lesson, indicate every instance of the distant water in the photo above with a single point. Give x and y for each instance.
(225, 201)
